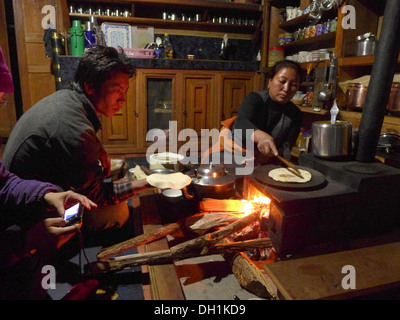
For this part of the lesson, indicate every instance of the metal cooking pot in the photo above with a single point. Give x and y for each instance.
(210, 181)
(389, 142)
(355, 95)
(365, 44)
(393, 105)
(332, 141)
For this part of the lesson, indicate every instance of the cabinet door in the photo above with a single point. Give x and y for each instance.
(157, 104)
(119, 132)
(198, 106)
(234, 89)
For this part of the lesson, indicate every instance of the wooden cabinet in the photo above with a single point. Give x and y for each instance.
(120, 132)
(36, 78)
(234, 89)
(199, 110)
(193, 100)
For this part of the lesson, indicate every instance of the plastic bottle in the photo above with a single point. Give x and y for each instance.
(168, 48)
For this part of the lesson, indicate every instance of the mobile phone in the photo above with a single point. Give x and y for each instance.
(74, 214)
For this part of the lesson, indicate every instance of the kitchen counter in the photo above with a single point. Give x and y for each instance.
(69, 64)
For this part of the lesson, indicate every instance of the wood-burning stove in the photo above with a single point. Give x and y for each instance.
(357, 200)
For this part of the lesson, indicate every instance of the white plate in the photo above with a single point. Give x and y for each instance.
(117, 34)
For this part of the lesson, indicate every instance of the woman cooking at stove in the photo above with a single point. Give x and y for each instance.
(275, 121)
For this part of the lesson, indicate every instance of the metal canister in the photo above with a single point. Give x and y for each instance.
(365, 44)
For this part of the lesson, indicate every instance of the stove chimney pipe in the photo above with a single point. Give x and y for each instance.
(380, 83)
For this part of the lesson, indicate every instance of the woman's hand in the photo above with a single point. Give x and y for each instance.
(265, 143)
(62, 200)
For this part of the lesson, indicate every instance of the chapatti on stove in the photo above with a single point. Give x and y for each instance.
(288, 175)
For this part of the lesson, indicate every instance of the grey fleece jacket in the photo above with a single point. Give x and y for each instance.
(55, 141)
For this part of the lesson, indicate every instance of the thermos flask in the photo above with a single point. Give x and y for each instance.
(77, 41)
(90, 35)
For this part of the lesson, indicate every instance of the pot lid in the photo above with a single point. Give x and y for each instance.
(213, 175)
(366, 36)
(212, 170)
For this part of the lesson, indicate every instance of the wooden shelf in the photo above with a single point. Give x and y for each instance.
(176, 24)
(283, 4)
(312, 40)
(302, 21)
(183, 3)
(323, 112)
(358, 61)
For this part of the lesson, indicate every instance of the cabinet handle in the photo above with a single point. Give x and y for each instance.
(184, 113)
(136, 114)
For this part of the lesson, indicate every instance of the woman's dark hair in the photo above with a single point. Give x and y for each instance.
(285, 64)
(98, 64)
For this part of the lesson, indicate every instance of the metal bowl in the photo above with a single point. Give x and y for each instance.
(389, 142)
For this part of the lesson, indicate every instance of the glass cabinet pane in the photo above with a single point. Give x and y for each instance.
(159, 103)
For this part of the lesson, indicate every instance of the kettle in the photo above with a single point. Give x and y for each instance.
(365, 44)
(210, 181)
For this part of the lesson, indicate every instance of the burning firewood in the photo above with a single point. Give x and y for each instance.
(208, 204)
(215, 219)
(204, 245)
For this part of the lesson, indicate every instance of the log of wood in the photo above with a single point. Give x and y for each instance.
(211, 238)
(215, 219)
(168, 256)
(138, 241)
(250, 277)
(199, 245)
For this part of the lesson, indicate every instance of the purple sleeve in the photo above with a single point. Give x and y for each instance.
(16, 193)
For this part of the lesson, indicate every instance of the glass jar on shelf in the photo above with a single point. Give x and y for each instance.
(274, 55)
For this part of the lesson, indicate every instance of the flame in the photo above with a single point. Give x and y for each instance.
(257, 201)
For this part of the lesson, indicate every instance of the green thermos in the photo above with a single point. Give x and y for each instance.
(77, 40)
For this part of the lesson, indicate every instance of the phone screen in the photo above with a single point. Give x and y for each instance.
(71, 212)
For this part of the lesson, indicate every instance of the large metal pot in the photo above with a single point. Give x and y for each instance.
(357, 92)
(210, 181)
(393, 105)
(355, 95)
(332, 141)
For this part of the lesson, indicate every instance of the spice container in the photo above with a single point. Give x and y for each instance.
(320, 29)
(281, 39)
(274, 55)
(313, 31)
(288, 37)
